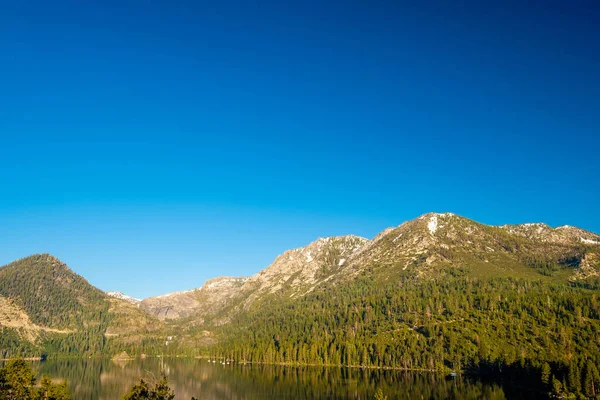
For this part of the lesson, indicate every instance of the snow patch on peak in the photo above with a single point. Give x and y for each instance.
(433, 224)
(308, 256)
(564, 227)
(119, 295)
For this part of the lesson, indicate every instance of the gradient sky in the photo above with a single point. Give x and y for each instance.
(153, 145)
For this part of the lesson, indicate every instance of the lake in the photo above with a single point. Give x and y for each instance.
(108, 380)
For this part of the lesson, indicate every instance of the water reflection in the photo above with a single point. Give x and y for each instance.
(108, 380)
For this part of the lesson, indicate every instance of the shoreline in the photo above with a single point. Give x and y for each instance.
(281, 364)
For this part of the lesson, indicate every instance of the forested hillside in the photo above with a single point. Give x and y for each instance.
(443, 293)
(439, 293)
(45, 309)
(543, 334)
(51, 294)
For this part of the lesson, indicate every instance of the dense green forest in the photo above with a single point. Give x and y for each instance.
(537, 334)
(52, 295)
(64, 313)
(72, 314)
(545, 337)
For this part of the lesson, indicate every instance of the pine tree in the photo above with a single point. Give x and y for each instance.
(591, 382)
(546, 371)
(162, 391)
(51, 391)
(20, 380)
(574, 378)
(556, 387)
(379, 395)
(143, 391)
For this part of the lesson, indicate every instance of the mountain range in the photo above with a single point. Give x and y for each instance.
(435, 292)
(432, 245)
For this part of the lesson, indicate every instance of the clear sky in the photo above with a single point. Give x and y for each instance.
(153, 145)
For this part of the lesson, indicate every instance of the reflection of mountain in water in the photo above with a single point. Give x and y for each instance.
(121, 362)
(104, 380)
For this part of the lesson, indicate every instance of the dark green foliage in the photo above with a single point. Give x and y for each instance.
(379, 395)
(546, 372)
(51, 391)
(54, 297)
(51, 294)
(592, 283)
(163, 391)
(11, 345)
(144, 391)
(17, 382)
(591, 381)
(524, 331)
(557, 387)
(138, 392)
(550, 258)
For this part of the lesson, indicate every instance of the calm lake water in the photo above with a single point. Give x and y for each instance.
(108, 380)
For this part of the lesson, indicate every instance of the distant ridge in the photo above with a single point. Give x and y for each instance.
(430, 245)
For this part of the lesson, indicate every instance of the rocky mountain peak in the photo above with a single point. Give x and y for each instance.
(430, 245)
(46, 260)
(436, 220)
(223, 283)
(560, 235)
(305, 266)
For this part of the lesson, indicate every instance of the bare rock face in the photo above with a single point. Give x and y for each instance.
(171, 306)
(11, 316)
(299, 271)
(305, 266)
(208, 299)
(217, 294)
(589, 267)
(565, 234)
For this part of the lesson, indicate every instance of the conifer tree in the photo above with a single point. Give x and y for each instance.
(591, 383)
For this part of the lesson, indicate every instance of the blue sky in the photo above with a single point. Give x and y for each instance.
(153, 145)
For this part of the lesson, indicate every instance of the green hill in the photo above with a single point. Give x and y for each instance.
(45, 308)
(52, 294)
